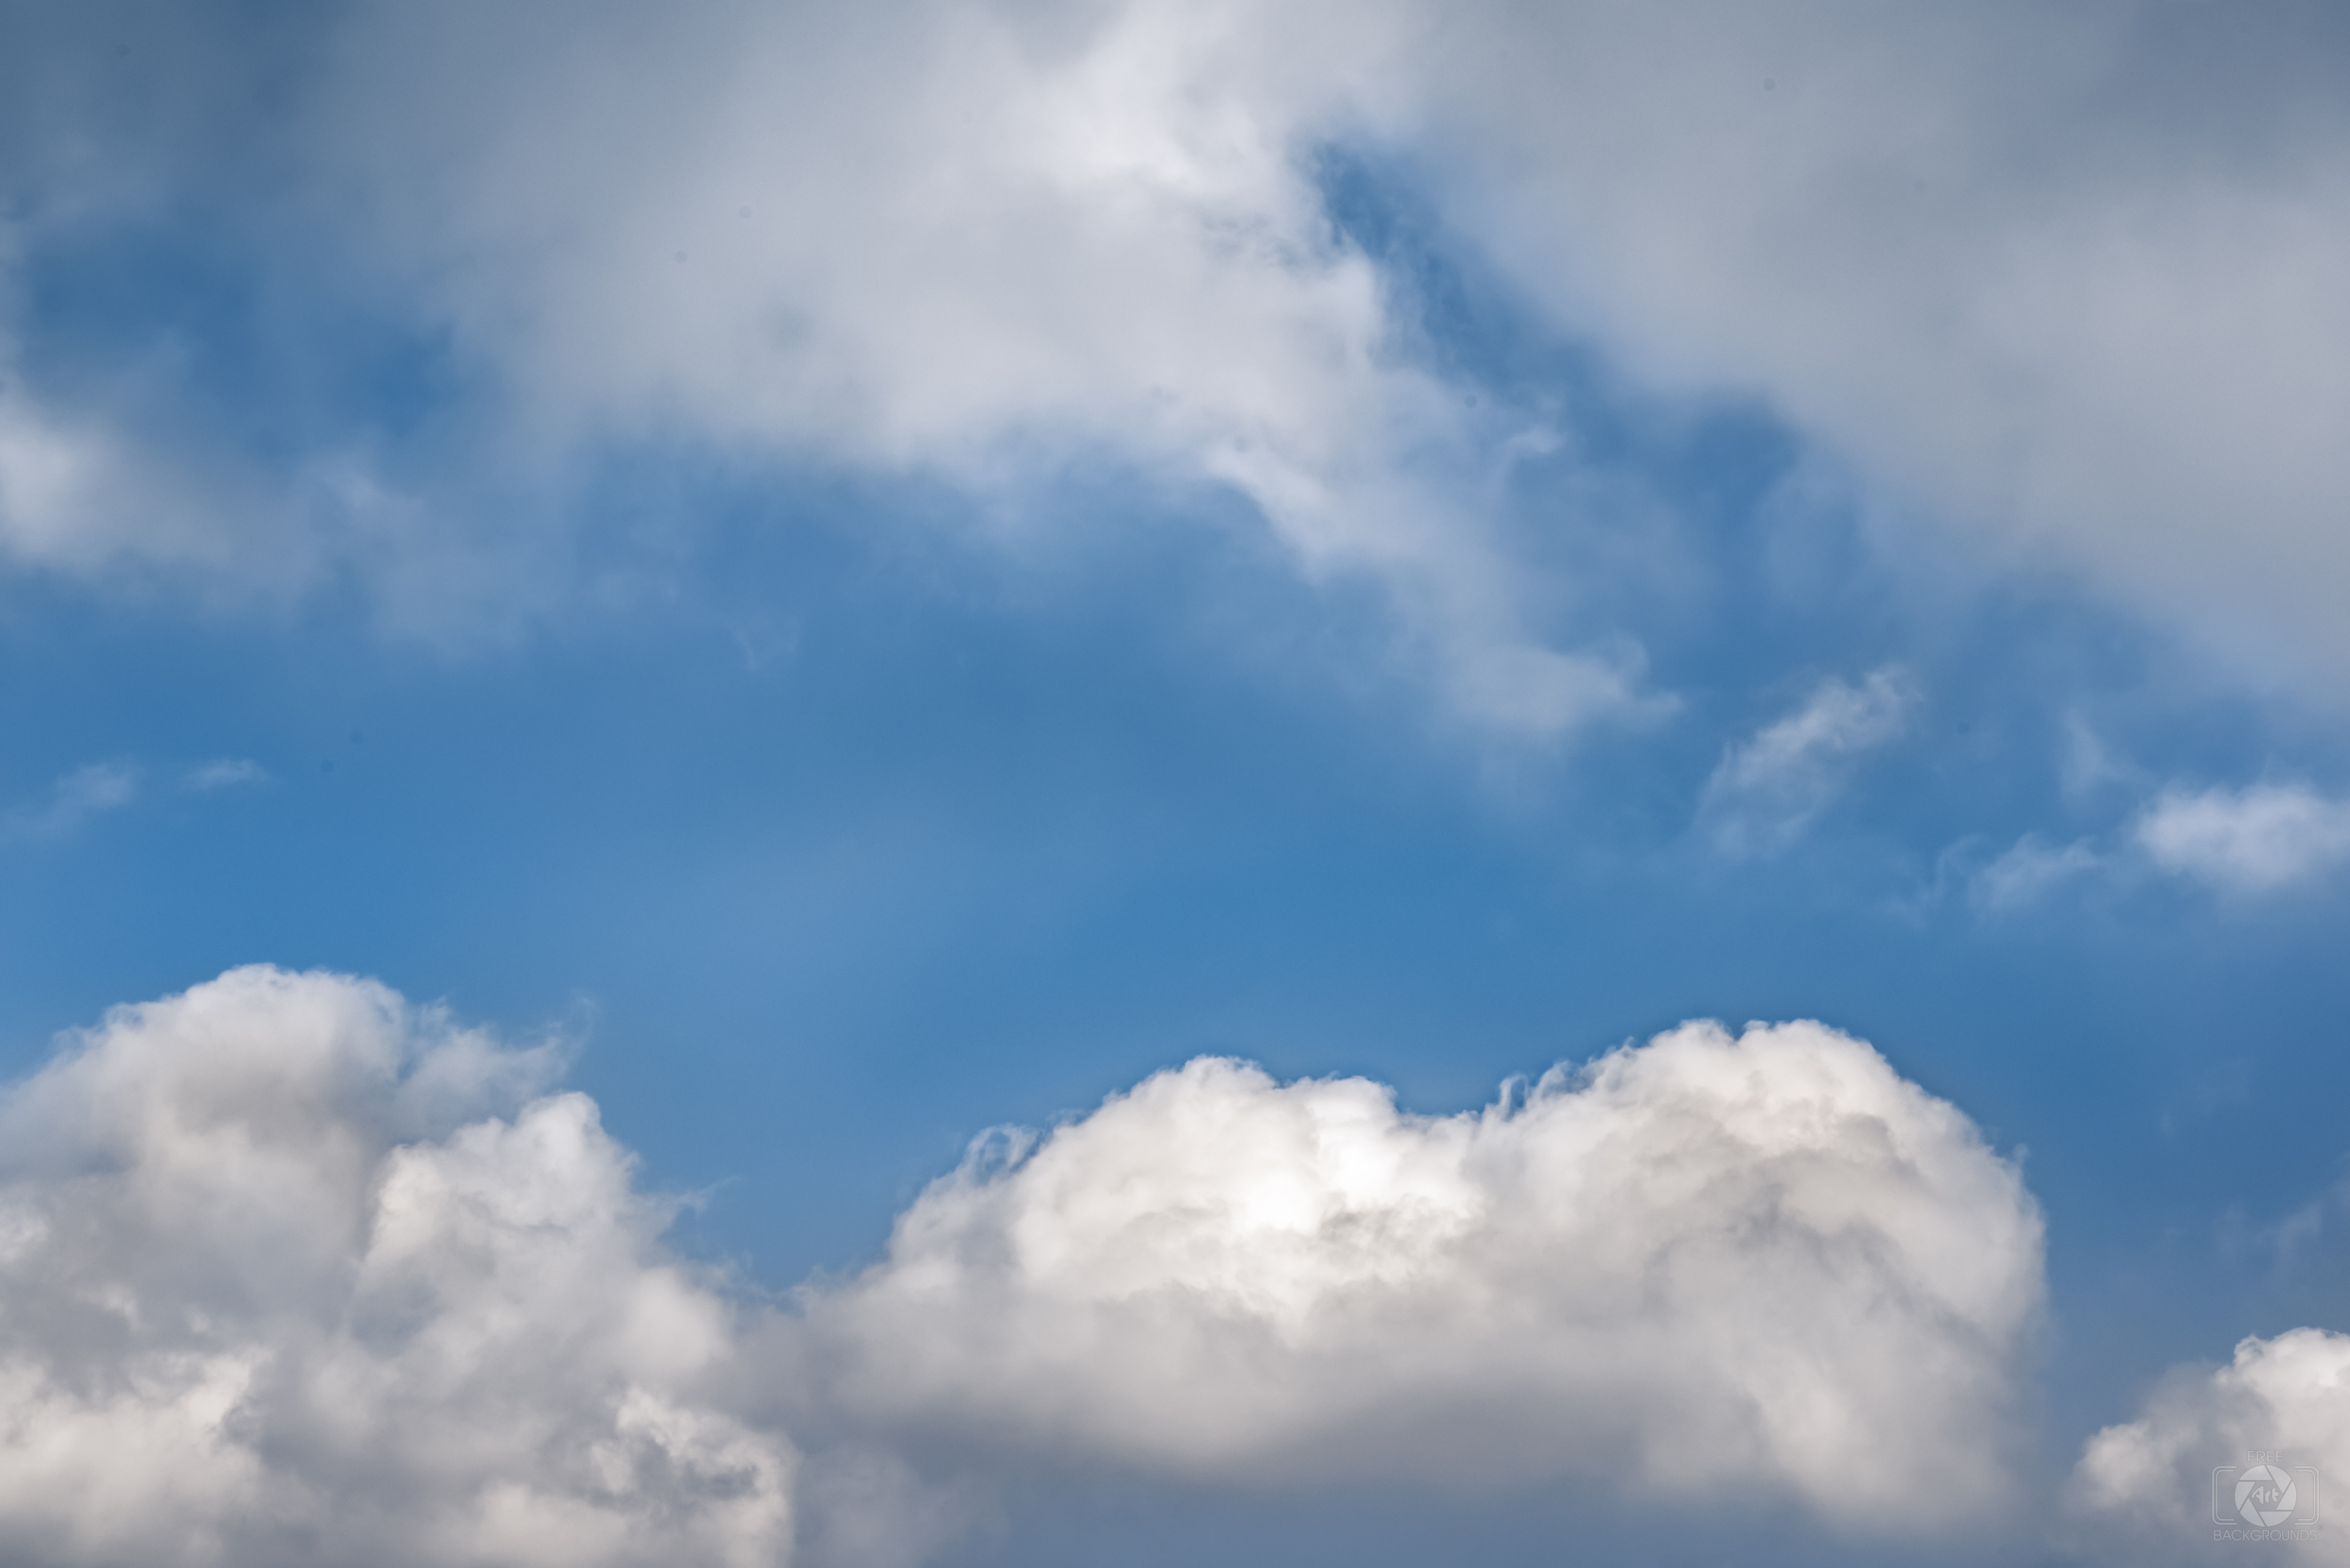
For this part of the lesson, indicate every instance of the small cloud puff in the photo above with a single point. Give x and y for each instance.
(1768, 790)
(2254, 840)
(224, 773)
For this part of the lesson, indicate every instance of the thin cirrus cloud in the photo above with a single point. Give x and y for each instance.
(2064, 282)
(296, 1271)
(1770, 789)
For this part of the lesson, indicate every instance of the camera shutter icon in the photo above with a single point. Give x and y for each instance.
(2264, 1496)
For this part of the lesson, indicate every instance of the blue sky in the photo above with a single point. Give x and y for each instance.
(882, 578)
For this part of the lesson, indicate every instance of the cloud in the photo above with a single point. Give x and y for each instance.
(2031, 869)
(46, 472)
(2061, 281)
(2152, 1477)
(2089, 766)
(2253, 840)
(975, 243)
(293, 1272)
(225, 773)
(89, 791)
(1766, 791)
(1765, 1265)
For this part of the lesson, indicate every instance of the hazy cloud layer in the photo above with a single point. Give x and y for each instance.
(2065, 281)
(2061, 278)
(1761, 1265)
(2151, 1478)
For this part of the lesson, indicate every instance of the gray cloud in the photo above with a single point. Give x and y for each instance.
(2061, 281)
(2058, 279)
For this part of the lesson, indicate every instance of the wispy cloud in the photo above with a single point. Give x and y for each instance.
(85, 792)
(1768, 790)
(225, 773)
(2089, 766)
(2254, 840)
(2029, 870)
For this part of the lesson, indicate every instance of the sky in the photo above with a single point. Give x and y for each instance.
(1063, 781)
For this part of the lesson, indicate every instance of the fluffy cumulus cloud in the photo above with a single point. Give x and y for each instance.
(291, 1271)
(2062, 280)
(2284, 1401)
(1759, 1265)
(2253, 840)
(276, 1286)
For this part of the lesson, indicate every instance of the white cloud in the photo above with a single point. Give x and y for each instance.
(88, 791)
(225, 773)
(1767, 790)
(2151, 1478)
(2031, 869)
(2252, 840)
(975, 241)
(291, 1273)
(45, 474)
(84, 494)
(2065, 280)
(1763, 1265)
